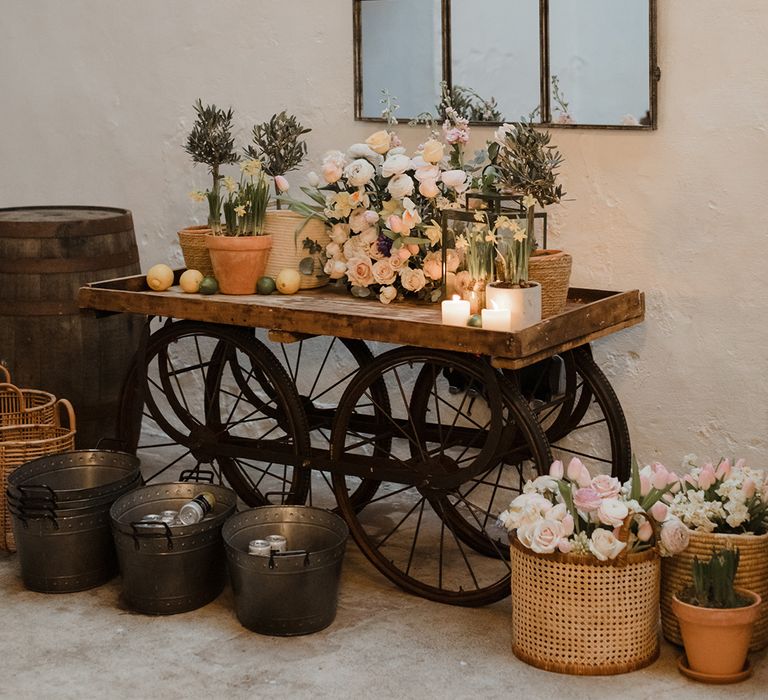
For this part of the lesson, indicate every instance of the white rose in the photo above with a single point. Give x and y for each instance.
(500, 135)
(546, 536)
(400, 186)
(428, 172)
(612, 512)
(395, 165)
(383, 272)
(358, 220)
(379, 141)
(313, 179)
(396, 151)
(354, 248)
(387, 294)
(339, 233)
(604, 545)
(429, 189)
(412, 280)
(433, 151)
(359, 172)
(335, 269)
(363, 150)
(675, 537)
(360, 271)
(454, 178)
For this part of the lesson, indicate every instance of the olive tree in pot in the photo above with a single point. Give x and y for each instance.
(716, 620)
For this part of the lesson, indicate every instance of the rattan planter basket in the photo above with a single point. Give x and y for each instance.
(195, 250)
(20, 444)
(552, 270)
(574, 614)
(20, 406)
(752, 575)
(287, 245)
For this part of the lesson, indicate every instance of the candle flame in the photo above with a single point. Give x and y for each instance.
(456, 297)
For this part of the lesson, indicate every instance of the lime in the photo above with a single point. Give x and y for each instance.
(265, 285)
(208, 285)
(475, 321)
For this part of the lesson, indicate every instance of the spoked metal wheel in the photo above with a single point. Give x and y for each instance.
(578, 410)
(198, 420)
(416, 529)
(321, 368)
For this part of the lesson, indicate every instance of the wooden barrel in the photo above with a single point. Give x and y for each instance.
(46, 255)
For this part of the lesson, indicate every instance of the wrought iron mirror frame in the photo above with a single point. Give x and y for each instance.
(654, 72)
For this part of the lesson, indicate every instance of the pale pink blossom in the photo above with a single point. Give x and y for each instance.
(556, 470)
(565, 546)
(433, 267)
(659, 511)
(675, 536)
(749, 487)
(723, 470)
(644, 531)
(357, 220)
(707, 477)
(578, 473)
(413, 248)
(387, 294)
(429, 189)
(587, 500)
(604, 544)
(660, 476)
(331, 172)
(645, 485)
(568, 525)
(546, 536)
(455, 179)
(428, 172)
(395, 223)
(396, 262)
(412, 280)
(335, 269)
(612, 512)
(606, 486)
(281, 184)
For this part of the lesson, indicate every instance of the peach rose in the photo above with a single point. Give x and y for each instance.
(452, 260)
(360, 271)
(387, 294)
(379, 141)
(396, 262)
(412, 280)
(335, 269)
(383, 272)
(433, 151)
(433, 267)
(429, 189)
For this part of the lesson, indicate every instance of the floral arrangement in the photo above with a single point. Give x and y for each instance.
(211, 143)
(382, 205)
(722, 499)
(570, 511)
(247, 201)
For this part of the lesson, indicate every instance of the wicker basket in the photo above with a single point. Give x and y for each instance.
(752, 575)
(574, 614)
(20, 444)
(19, 406)
(552, 270)
(287, 249)
(192, 242)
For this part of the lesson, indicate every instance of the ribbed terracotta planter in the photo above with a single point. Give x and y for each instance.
(238, 261)
(552, 270)
(287, 245)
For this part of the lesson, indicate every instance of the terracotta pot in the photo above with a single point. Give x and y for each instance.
(288, 247)
(238, 261)
(716, 640)
(194, 248)
(525, 303)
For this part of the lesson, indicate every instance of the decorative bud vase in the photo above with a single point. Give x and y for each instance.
(475, 295)
(524, 302)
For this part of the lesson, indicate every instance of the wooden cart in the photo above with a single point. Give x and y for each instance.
(418, 447)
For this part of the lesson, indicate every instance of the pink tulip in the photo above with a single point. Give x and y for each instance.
(567, 525)
(723, 469)
(645, 485)
(707, 477)
(749, 488)
(578, 473)
(645, 531)
(740, 464)
(556, 470)
(660, 474)
(395, 223)
(371, 217)
(404, 253)
(688, 479)
(659, 511)
(281, 184)
(413, 248)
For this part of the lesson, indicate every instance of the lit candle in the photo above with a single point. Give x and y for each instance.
(455, 311)
(497, 319)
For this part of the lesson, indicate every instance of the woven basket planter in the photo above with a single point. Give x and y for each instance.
(752, 575)
(552, 270)
(195, 250)
(20, 444)
(574, 614)
(287, 245)
(23, 406)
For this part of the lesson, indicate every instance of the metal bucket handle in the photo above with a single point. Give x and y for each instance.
(22, 515)
(28, 492)
(146, 526)
(290, 552)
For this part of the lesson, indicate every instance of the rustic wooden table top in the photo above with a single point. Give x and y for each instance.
(589, 314)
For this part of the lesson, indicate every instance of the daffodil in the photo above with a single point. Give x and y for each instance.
(391, 206)
(240, 211)
(520, 235)
(529, 201)
(461, 243)
(251, 167)
(230, 184)
(479, 216)
(197, 196)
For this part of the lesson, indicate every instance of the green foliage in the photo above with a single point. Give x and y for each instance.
(712, 585)
(211, 142)
(468, 104)
(277, 144)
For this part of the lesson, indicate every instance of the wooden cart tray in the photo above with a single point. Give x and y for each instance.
(589, 314)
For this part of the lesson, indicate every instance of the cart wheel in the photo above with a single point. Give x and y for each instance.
(198, 423)
(410, 530)
(321, 368)
(578, 410)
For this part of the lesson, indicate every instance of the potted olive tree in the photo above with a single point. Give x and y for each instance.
(278, 145)
(211, 143)
(716, 620)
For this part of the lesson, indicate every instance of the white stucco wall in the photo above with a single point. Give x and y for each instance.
(96, 101)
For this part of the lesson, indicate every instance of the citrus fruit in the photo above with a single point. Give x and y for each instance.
(208, 285)
(288, 281)
(190, 281)
(265, 285)
(159, 277)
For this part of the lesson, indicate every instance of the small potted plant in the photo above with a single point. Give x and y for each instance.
(239, 252)
(211, 143)
(278, 145)
(524, 164)
(716, 620)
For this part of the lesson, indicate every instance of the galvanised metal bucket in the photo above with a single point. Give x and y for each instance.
(292, 593)
(170, 569)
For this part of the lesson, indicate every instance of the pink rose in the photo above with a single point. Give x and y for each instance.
(659, 511)
(587, 500)
(556, 470)
(383, 272)
(674, 537)
(360, 271)
(612, 512)
(604, 545)
(412, 280)
(396, 262)
(606, 486)
(546, 536)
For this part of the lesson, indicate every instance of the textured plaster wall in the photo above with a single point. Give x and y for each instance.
(96, 101)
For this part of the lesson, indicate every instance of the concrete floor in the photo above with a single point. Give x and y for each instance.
(384, 644)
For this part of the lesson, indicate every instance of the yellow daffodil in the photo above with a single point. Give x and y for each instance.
(391, 206)
(230, 184)
(240, 211)
(197, 196)
(519, 235)
(251, 167)
(528, 201)
(479, 216)
(461, 243)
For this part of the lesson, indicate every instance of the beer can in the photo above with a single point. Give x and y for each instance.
(260, 548)
(278, 543)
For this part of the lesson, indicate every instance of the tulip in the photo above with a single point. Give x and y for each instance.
(723, 469)
(281, 184)
(413, 248)
(395, 223)
(567, 525)
(645, 531)
(660, 474)
(749, 487)
(645, 485)
(556, 470)
(578, 473)
(659, 511)
(707, 477)
(371, 217)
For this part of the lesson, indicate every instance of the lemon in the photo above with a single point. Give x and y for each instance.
(288, 281)
(160, 277)
(190, 281)
(208, 285)
(265, 285)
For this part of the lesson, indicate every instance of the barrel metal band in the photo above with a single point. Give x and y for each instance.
(35, 266)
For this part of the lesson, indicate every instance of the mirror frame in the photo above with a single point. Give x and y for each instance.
(654, 72)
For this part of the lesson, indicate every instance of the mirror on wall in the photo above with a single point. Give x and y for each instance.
(565, 63)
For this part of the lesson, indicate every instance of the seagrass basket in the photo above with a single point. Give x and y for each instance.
(752, 575)
(574, 614)
(20, 444)
(19, 406)
(195, 250)
(552, 270)
(288, 245)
